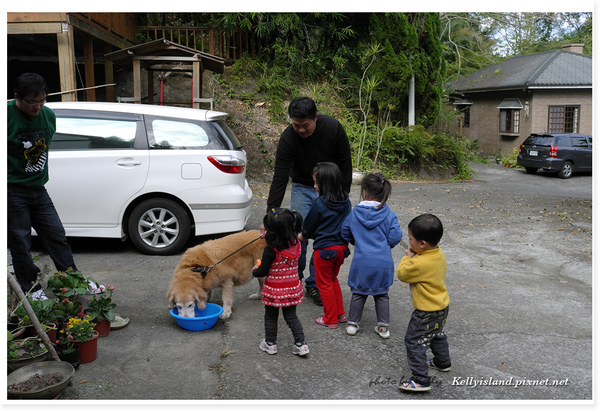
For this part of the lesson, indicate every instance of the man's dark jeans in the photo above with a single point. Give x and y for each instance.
(32, 207)
(426, 330)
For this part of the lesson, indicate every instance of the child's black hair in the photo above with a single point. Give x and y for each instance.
(329, 179)
(426, 227)
(377, 187)
(282, 226)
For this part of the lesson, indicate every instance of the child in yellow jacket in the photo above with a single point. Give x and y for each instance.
(424, 268)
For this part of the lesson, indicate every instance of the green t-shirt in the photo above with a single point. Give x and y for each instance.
(28, 142)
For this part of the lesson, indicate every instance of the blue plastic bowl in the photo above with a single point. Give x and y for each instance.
(204, 319)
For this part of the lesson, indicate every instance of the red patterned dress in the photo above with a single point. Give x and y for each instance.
(282, 286)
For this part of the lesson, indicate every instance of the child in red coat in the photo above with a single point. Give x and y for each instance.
(282, 287)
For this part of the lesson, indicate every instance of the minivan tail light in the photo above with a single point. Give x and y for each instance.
(553, 152)
(228, 164)
(521, 149)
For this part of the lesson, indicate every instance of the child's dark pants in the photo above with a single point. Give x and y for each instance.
(289, 314)
(426, 330)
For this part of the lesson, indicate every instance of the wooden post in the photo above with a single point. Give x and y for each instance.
(88, 58)
(108, 75)
(66, 62)
(150, 86)
(137, 80)
(197, 83)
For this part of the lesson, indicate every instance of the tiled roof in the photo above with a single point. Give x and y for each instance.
(553, 69)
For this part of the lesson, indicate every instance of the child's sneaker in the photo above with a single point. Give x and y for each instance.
(383, 331)
(321, 322)
(414, 386)
(271, 349)
(432, 366)
(351, 329)
(342, 319)
(301, 350)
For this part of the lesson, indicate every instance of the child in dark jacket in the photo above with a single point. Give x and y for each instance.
(323, 223)
(374, 230)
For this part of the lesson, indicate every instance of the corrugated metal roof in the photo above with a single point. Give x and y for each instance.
(553, 69)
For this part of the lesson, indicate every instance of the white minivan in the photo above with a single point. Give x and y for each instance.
(155, 174)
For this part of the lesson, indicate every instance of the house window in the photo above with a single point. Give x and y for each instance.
(563, 119)
(466, 115)
(510, 115)
(509, 120)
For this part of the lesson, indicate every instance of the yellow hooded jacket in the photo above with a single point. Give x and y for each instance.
(426, 272)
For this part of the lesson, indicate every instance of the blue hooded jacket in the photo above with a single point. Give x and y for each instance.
(373, 233)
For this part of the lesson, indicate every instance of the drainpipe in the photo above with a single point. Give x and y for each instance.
(411, 101)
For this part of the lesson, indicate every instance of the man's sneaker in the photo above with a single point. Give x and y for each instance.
(313, 293)
(413, 386)
(270, 349)
(351, 329)
(432, 366)
(382, 331)
(301, 350)
(39, 295)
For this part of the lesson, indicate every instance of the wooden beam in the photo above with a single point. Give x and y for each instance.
(88, 57)
(168, 58)
(13, 17)
(66, 64)
(34, 28)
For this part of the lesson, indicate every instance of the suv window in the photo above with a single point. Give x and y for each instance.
(167, 133)
(579, 141)
(77, 133)
(538, 140)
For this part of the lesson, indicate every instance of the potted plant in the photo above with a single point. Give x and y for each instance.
(44, 311)
(101, 309)
(65, 309)
(80, 331)
(66, 350)
(21, 352)
(68, 284)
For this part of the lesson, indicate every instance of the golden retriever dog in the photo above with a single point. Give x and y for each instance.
(193, 280)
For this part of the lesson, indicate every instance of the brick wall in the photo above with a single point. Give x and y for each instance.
(484, 126)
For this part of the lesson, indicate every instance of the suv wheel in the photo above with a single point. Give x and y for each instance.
(566, 170)
(159, 227)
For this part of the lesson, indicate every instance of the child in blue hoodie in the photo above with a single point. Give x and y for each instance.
(374, 230)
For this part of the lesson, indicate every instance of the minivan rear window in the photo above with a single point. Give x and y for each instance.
(540, 141)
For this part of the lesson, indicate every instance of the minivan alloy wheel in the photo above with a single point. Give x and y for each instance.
(159, 227)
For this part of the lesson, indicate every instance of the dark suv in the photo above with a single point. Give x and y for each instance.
(556, 152)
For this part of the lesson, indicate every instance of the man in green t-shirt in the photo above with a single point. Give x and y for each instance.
(30, 130)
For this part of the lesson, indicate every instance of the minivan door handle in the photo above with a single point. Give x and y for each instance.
(128, 162)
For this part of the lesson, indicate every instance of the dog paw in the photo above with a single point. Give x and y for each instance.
(255, 296)
(225, 315)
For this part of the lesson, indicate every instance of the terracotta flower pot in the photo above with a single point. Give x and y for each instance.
(88, 349)
(103, 327)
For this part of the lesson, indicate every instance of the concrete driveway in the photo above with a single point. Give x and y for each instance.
(519, 253)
